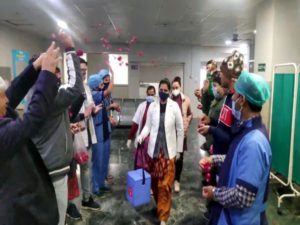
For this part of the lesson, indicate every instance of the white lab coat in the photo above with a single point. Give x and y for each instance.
(138, 118)
(173, 127)
(87, 102)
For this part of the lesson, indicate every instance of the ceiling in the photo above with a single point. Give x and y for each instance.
(196, 22)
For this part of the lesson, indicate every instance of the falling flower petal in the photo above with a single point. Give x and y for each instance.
(133, 40)
(140, 54)
(79, 52)
(118, 30)
(53, 36)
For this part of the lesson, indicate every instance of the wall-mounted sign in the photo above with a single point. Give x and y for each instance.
(19, 61)
(134, 67)
(261, 67)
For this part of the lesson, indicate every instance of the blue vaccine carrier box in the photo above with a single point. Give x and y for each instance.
(138, 187)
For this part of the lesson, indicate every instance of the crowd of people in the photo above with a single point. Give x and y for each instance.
(38, 179)
(236, 172)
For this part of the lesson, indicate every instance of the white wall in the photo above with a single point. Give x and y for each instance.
(278, 34)
(264, 38)
(190, 56)
(277, 38)
(11, 38)
(286, 47)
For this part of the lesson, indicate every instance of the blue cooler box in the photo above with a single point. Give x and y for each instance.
(138, 193)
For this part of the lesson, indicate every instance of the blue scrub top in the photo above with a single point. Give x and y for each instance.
(250, 166)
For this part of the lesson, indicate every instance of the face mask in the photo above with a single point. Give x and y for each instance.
(176, 92)
(163, 96)
(106, 85)
(236, 113)
(216, 94)
(150, 99)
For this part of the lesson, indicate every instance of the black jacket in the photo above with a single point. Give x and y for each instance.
(27, 195)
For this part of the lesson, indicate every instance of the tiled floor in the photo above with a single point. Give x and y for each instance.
(188, 206)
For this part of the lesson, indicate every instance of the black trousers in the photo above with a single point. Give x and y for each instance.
(179, 162)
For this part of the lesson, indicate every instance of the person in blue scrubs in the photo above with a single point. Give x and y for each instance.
(101, 150)
(241, 193)
(110, 106)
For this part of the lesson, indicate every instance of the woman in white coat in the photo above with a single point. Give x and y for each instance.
(165, 126)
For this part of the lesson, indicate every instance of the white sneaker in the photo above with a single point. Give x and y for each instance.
(163, 223)
(176, 186)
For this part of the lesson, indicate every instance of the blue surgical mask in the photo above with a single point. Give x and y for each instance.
(236, 113)
(216, 94)
(163, 96)
(150, 99)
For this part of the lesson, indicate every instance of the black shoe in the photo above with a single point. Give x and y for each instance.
(72, 212)
(105, 189)
(91, 205)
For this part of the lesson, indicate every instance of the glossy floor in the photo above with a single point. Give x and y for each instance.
(188, 206)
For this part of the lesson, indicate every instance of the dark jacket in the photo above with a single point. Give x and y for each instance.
(27, 195)
(54, 141)
(214, 114)
(222, 132)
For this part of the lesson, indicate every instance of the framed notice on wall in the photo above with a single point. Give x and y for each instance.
(20, 60)
(261, 67)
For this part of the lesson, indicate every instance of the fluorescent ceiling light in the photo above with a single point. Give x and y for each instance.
(62, 24)
(228, 42)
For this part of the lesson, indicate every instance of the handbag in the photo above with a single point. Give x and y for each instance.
(141, 156)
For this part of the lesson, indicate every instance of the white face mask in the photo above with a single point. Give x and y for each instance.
(150, 99)
(236, 113)
(176, 92)
(216, 93)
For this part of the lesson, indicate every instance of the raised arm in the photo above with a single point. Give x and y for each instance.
(23, 82)
(14, 132)
(73, 89)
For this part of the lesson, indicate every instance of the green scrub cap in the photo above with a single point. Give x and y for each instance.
(255, 89)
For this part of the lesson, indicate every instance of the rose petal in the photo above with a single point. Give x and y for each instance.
(79, 52)
(119, 58)
(140, 54)
(53, 36)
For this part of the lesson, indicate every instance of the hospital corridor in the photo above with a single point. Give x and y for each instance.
(150, 112)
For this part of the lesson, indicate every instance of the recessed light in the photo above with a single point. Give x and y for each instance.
(228, 42)
(254, 32)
